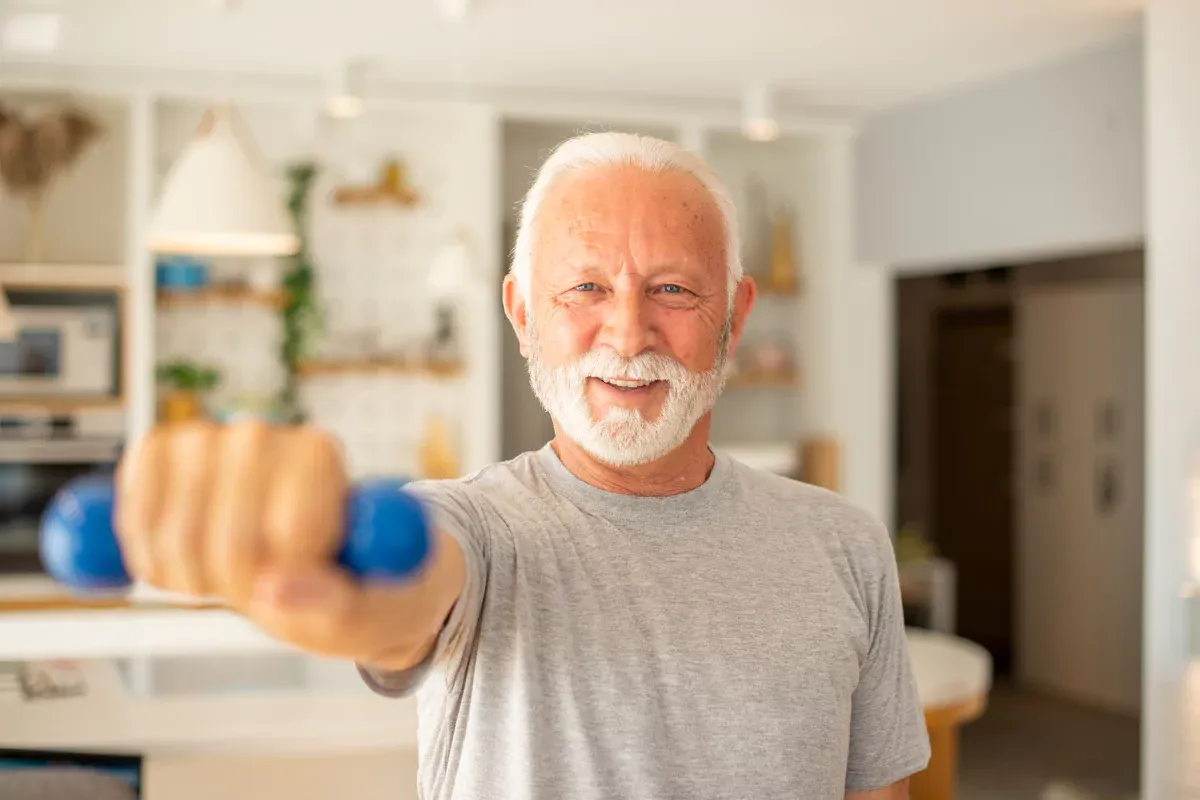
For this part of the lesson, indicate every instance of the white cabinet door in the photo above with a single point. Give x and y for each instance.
(1080, 492)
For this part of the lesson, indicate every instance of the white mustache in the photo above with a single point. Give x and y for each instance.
(605, 364)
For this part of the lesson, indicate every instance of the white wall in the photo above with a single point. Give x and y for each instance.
(1040, 163)
(849, 333)
(370, 775)
(1173, 388)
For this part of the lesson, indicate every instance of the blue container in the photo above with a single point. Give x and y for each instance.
(180, 273)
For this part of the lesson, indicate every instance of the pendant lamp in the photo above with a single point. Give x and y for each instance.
(218, 199)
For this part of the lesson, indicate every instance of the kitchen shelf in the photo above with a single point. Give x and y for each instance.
(56, 603)
(222, 295)
(59, 277)
(765, 290)
(757, 380)
(373, 196)
(59, 405)
(370, 366)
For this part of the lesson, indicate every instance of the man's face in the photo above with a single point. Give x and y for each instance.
(628, 325)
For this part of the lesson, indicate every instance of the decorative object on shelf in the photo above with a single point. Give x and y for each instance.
(444, 349)
(390, 188)
(449, 279)
(783, 277)
(820, 462)
(217, 198)
(180, 273)
(300, 313)
(437, 455)
(36, 151)
(187, 383)
(265, 408)
(770, 359)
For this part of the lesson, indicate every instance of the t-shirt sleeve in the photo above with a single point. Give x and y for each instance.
(888, 739)
(452, 512)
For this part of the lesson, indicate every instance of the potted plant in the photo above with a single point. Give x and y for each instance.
(187, 382)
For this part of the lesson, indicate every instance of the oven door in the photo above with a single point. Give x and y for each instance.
(31, 472)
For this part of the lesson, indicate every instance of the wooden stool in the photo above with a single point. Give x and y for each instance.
(953, 677)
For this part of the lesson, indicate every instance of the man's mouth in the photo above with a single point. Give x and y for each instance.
(626, 384)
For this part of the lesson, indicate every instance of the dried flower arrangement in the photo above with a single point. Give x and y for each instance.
(36, 150)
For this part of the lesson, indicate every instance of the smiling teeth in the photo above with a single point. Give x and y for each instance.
(626, 384)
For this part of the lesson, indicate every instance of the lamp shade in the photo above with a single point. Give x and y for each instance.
(216, 200)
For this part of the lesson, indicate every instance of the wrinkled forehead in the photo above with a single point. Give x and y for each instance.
(664, 217)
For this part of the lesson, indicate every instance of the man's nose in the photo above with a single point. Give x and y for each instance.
(627, 325)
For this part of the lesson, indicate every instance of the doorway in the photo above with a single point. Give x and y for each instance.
(1020, 469)
(973, 458)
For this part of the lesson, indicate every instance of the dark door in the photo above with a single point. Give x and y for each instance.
(973, 458)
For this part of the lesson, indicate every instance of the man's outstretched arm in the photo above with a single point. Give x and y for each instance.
(897, 791)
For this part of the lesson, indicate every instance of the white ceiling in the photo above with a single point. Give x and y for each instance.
(852, 54)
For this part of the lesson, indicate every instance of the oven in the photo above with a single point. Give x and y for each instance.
(38, 456)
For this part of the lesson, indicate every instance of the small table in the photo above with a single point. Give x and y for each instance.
(953, 678)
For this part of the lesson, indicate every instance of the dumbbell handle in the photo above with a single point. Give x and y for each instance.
(387, 534)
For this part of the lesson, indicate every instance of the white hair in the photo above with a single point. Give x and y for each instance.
(623, 149)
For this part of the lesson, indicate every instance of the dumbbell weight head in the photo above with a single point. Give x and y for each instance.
(387, 535)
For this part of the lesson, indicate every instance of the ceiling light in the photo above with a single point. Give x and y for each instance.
(455, 10)
(344, 98)
(217, 199)
(32, 33)
(758, 114)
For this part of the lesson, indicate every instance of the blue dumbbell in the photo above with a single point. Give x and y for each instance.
(387, 535)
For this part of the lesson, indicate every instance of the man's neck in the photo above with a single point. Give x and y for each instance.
(685, 468)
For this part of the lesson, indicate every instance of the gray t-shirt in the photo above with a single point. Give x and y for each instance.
(741, 640)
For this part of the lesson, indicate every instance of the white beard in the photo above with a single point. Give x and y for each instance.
(623, 437)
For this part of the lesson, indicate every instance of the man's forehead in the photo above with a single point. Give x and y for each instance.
(627, 198)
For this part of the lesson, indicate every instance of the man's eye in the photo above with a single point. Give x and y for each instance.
(672, 288)
(585, 287)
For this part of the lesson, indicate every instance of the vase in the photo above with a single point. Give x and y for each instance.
(35, 235)
(180, 406)
(782, 276)
(438, 461)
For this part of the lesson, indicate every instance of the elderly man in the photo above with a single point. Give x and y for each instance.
(621, 614)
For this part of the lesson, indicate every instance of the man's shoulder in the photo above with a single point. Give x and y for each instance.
(825, 513)
(497, 481)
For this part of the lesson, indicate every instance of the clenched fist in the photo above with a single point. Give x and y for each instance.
(253, 515)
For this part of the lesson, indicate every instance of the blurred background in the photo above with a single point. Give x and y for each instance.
(973, 225)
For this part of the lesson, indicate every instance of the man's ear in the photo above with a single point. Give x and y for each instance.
(517, 311)
(743, 301)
